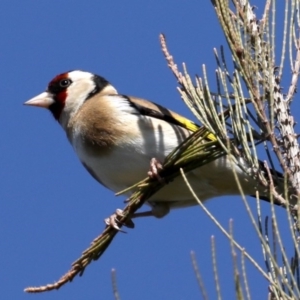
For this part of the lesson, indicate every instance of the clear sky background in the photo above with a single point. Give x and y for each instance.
(51, 208)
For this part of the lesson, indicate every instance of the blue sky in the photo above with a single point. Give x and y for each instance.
(51, 208)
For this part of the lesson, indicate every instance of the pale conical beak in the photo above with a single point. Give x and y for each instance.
(44, 99)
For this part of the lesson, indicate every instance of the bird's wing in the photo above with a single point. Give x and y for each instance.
(157, 111)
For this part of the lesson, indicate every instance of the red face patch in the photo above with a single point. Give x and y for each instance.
(58, 87)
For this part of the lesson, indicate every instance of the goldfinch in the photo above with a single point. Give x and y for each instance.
(117, 136)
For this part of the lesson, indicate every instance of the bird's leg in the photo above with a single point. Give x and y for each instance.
(158, 211)
(155, 167)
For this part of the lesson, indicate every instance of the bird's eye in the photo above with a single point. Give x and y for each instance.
(64, 83)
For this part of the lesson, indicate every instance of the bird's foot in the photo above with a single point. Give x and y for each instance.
(155, 167)
(114, 222)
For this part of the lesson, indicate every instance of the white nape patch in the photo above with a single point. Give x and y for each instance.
(122, 105)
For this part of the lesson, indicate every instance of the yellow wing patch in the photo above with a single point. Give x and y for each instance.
(188, 124)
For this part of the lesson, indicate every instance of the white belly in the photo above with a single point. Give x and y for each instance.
(123, 168)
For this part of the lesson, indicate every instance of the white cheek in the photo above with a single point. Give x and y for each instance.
(76, 96)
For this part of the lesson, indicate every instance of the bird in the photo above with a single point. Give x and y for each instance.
(118, 138)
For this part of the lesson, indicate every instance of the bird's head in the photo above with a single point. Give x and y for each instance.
(68, 91)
